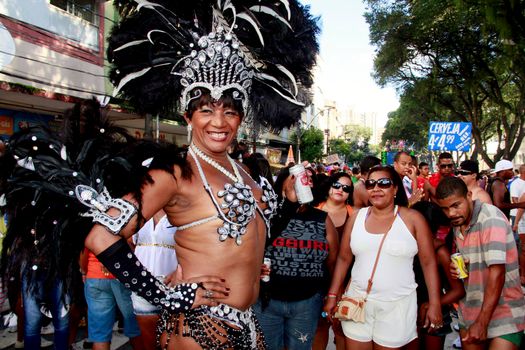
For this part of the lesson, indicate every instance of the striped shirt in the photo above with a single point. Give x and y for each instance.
(488, 241)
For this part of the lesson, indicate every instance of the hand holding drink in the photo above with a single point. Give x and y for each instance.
(458, 266)
(302, 184)
(265, 270)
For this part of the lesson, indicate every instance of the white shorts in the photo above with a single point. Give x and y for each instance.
(521, 226)
(387, 323)
(142, 307)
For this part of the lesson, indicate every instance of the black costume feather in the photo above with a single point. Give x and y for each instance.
(40, 172)
(156, 39)
(41, 169)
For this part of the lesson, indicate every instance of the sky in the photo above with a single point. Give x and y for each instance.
(346, 60)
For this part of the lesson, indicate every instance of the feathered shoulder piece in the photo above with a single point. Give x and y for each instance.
(42, 173)
(167, 53)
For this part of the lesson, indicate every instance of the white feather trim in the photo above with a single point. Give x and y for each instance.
(286, 4)
(128, 78)
(290, 76)
(250, 20)
(269, 11)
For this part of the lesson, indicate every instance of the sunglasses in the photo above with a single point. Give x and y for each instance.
(383, 183)
(443, 166)
(462, 172)
(338, 185)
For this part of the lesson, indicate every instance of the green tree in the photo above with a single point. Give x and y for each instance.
(311, 144)
(355, 144)
(458, 63)
(410, 122)
(340, 147)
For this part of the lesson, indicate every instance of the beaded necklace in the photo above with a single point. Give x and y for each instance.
(235, 178)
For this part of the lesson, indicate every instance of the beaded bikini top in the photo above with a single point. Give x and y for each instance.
(239, 204)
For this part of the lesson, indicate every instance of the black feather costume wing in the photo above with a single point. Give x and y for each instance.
(40, 171)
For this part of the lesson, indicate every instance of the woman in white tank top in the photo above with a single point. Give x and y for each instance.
(155, 249)
(391, 309)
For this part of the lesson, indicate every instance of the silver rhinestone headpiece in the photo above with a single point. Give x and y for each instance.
(217, 65)
(166, 54)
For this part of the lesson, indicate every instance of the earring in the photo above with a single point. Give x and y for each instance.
(189, 128)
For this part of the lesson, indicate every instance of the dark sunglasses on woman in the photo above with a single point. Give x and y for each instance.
(383, 183)
(338, 185)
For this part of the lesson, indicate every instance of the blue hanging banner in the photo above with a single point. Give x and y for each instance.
(449, 136)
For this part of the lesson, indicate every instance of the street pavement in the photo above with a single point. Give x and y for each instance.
(120, 342)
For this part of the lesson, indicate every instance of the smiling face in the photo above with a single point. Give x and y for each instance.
(339, 195)
(214, 125)
(377, 195)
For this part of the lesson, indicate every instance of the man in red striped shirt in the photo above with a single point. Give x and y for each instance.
(492, 313)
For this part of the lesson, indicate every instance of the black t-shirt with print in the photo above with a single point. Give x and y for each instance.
(298, 255)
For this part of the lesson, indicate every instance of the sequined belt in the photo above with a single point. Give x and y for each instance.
(169, 246)
(232, 315)
(237, 317)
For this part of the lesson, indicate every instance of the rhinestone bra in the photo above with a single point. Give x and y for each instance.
(239, 204)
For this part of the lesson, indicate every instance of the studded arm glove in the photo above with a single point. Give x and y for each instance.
(124, 265)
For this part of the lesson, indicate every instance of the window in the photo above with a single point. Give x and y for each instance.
(85, 9)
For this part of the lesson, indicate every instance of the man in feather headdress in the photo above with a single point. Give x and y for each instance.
(221, 63)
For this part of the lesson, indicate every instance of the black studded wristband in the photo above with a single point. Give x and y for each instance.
(124, 265)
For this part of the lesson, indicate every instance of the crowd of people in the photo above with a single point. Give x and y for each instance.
(320, 252)
(200, 249)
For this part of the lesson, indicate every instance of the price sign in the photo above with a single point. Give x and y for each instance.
(449, 136)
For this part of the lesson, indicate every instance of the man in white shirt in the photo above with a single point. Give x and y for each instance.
(407, 171)
(517, 188)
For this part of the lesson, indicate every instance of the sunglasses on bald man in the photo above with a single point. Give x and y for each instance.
(443, 166)
(462, 172)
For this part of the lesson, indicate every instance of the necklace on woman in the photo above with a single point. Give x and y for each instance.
(235, 178)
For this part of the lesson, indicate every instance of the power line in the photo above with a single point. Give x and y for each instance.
(54, 65)
(38, 81)
(39, 41)
(52, 36)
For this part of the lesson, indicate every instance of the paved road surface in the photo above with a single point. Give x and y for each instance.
(120, 342)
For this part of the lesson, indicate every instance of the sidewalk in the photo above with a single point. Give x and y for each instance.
(8, 338)
(120, 342)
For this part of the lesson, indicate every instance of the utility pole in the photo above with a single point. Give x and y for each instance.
(327, 131)
(299, 141)
(148, 132)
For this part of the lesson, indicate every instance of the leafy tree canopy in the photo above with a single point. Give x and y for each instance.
(455, 60)
(312, 142)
